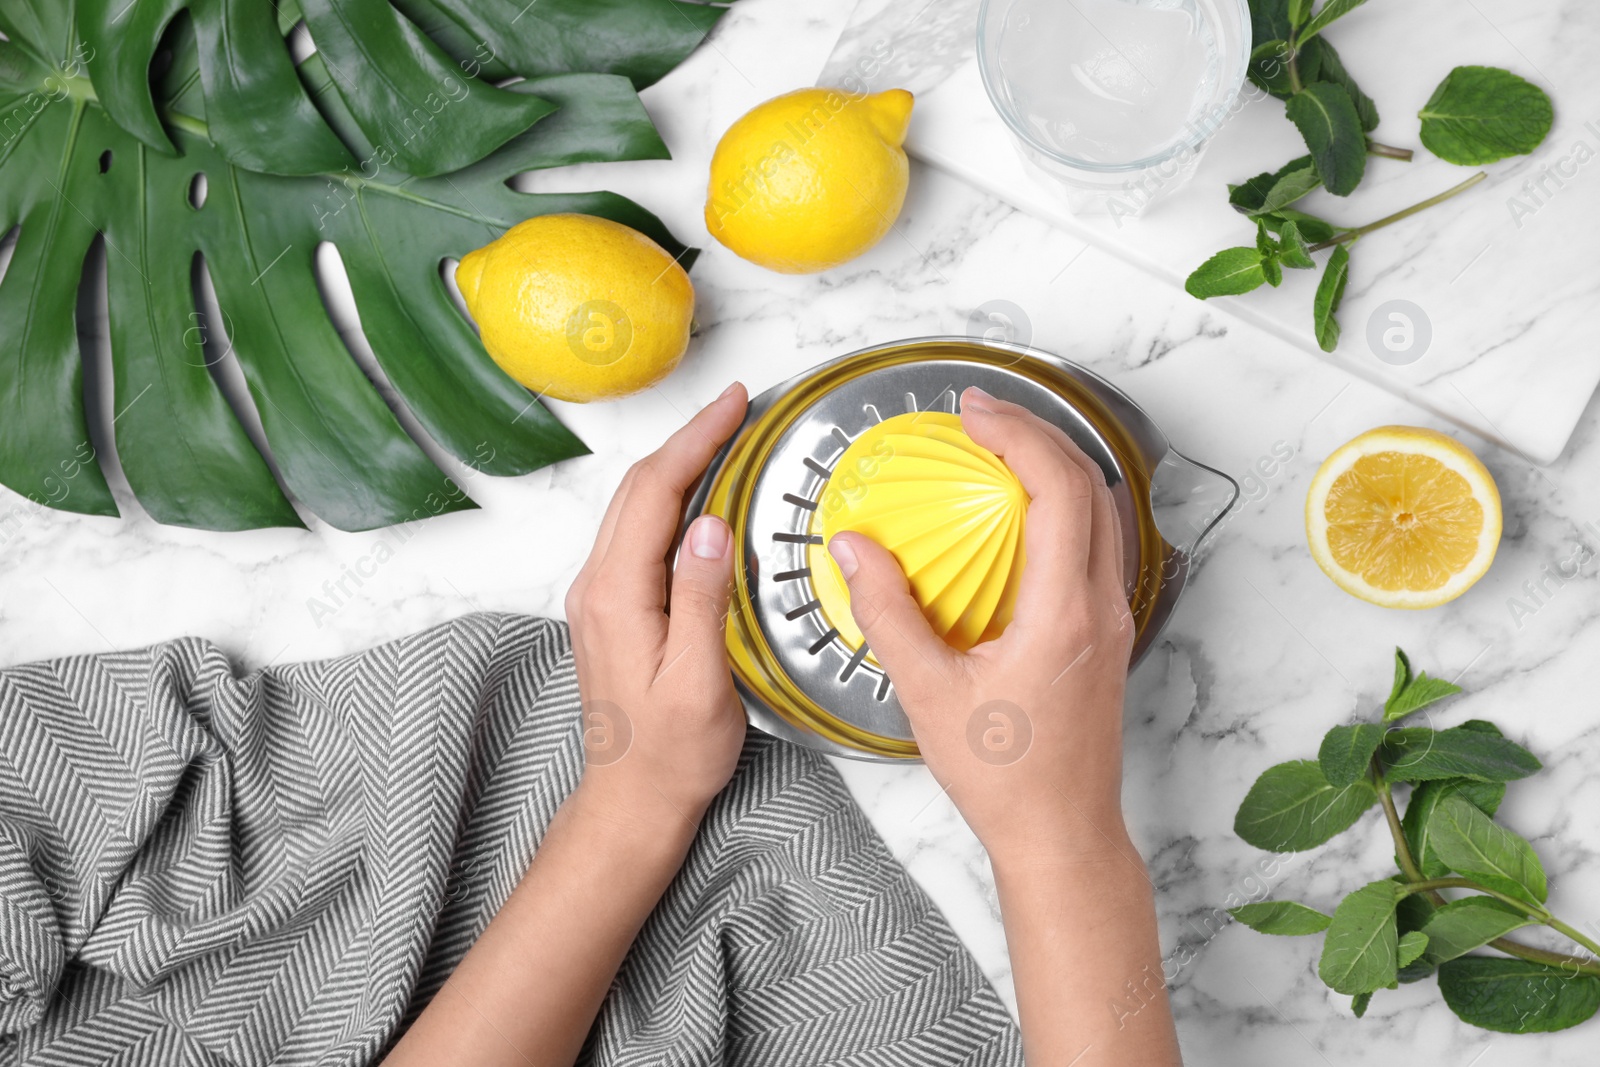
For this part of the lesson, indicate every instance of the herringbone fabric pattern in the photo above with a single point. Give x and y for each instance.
(197, 868)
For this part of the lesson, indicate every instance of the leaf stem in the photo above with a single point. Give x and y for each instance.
(1389, 151)
(1591, 965)
(1402, 848)
(1533, 911)
(1431, 886)
(80, 89)
(1350, 235)
(188, 124)
(1563, 928)
(1546, 957)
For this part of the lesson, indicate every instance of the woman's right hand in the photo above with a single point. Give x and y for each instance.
(1025, 731)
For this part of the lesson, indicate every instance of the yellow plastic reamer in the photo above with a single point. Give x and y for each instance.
(949, 511)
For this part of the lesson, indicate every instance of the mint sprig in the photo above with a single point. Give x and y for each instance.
(1326, 117)
(1404, 928)
(1477, 115)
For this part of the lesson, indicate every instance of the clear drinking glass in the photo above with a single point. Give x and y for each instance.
(1111, 102)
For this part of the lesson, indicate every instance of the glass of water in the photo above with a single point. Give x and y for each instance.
(1111, 102)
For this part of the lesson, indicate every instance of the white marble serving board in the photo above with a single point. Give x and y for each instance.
(1508, 290)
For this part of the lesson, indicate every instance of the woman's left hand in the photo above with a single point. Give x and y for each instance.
(663, 727)
(662, 733)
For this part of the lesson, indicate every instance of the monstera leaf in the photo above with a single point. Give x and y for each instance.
(175, 178)
(390, 65)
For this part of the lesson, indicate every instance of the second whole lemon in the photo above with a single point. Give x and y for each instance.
(577, 307)
(811, 179)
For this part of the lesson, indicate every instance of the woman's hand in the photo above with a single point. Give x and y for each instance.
(1025, 731)
(663, 726)
(662, 733)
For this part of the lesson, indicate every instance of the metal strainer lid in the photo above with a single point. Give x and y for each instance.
(797, 676)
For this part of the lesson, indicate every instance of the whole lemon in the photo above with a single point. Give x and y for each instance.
(579, 308)
(810, 179)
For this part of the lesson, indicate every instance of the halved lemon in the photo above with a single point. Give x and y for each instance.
(1403, 517)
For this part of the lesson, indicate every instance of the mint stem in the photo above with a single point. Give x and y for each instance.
(1587, 965)
(1549, 959)
(1350, 235)
(1533, 911)
(1402, 848)
(1430, 887)
(1563, 928)
(1389, 151)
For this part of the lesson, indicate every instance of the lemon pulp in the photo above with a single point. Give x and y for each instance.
(1402, 521)
(1403, 517)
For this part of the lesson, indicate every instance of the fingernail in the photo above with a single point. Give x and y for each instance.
(977, 398)
(708, 537)
(726, 393)
(844, 556)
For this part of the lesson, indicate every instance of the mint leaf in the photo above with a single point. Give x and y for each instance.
(1471, 922)
(1248, 195)
(1326, 117)
(1290, 185)
(1311, 228)
(1359, 1002)
(1269, 20)
(1402, 678)
(1299, 11)
(1270, 191)
(1418, 754)
(1485, 796)
(1330, 291)
(1269, 69)
(1411, 947)
(1361, 951)
(1481, 114)
(1228, 273)
(1418, 695)
(1292, 807)
(1294, 251)
(1283, 917)
(1346, 752)
(1415, 693)
(1331, 10)
(1330, 68)
(1267, 245)
(1472, 844)
(1516, 996)
(1410, 914)
(1413, 911)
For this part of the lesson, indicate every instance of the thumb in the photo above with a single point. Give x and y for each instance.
(701, 585)
(915, 657)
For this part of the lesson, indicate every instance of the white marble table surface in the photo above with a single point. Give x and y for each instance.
(1263, 655)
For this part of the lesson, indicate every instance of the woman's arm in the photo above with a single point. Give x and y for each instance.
(1026, 734)
(663, 731)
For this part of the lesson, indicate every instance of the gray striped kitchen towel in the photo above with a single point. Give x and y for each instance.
(200, 868)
